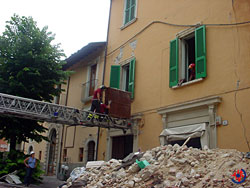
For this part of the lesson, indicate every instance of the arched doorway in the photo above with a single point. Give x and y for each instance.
(91, 151)
(52, 148)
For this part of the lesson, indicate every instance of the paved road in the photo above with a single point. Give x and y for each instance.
(48, 182)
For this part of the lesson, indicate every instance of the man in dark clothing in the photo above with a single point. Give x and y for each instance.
(97, 98)
(96, 102)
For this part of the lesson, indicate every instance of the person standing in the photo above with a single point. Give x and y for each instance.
(30, 163)
(97, 98)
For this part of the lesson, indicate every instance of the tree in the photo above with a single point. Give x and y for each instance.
(31, 67)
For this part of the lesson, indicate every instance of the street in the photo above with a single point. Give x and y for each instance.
(48, 182)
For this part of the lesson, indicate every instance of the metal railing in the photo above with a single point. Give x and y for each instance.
(88, 89)
(43, 111)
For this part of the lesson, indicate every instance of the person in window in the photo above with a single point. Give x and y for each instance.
(30, 163)
(191, 68)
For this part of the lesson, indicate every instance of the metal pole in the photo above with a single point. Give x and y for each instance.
(103, 76)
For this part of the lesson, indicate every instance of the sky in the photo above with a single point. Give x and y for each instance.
(74, 22)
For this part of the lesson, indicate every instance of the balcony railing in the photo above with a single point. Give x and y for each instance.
(88, 89)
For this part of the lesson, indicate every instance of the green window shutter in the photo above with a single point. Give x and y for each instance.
(129, 10)
(132, 9)
(131, 85)
(200, 52)
(173, 63)
(115, 76)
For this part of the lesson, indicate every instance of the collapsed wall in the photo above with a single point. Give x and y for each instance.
(171, 166)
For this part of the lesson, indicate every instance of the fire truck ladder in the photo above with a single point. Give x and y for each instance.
(43, 111)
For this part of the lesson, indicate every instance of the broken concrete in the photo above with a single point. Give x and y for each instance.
(171, 166)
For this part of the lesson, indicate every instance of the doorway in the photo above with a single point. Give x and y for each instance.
(122, 146)
(91, 151)
(52, 148)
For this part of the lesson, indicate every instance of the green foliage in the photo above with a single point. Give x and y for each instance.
(31, 67)
(14, 161)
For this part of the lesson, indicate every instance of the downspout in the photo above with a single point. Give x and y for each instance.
(66, 103)
(103, 75)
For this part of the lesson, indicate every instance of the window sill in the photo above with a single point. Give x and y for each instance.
(188, 83)
(128, 24)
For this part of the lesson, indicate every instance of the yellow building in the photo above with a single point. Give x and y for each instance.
(150, 48)
(73, 146)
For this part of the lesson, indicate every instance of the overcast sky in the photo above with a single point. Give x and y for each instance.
(75, 22)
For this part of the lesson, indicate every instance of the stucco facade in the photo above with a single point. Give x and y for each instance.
(73, 146)
(220, 97)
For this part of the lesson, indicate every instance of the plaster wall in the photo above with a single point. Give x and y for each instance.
(228, 60)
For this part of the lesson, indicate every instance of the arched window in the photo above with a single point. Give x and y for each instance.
(30, 149)
(91, 151)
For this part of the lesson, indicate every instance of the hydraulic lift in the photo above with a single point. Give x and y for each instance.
(43, 111)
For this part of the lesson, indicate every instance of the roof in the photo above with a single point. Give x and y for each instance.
(85, 53)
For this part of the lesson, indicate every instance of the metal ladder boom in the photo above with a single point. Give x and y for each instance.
(43, 111)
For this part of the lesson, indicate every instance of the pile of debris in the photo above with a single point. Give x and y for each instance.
(171, 166)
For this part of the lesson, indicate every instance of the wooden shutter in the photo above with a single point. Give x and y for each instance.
(173, 63)
(130, 10)
(200, 52)
(131, 84)
(115, 76)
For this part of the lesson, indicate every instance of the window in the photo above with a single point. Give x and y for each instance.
(64, 155)
(57, 98)
(128, 77)
(40, 155)
(89, 87)
(188, 57)
(130, 8)
(30, 149)
(91, 151)
(80, 154)
(125, 77)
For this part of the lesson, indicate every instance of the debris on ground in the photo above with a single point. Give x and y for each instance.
(171, 167)
(11, 178)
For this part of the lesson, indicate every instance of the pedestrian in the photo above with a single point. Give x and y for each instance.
(30, 163)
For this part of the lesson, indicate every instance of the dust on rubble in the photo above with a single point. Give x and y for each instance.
(170, 167)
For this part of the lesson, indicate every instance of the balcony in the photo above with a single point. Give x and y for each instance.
(88, 89)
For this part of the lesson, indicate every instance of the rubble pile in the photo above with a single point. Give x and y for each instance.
(170, 166)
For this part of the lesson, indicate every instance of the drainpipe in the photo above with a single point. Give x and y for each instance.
(103, 74)
(66, 103)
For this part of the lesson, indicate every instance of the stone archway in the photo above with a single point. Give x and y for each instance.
(52, 150)
(89, 149)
